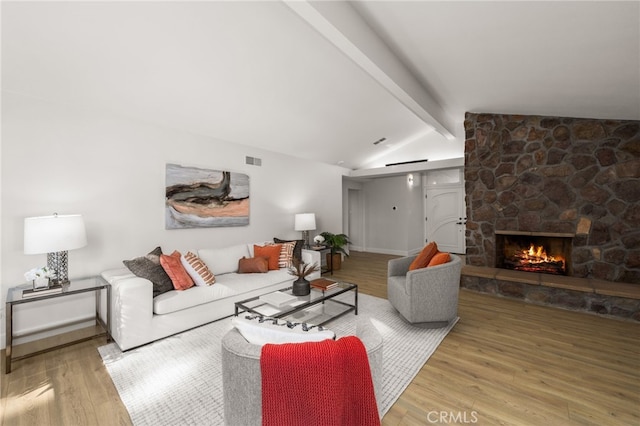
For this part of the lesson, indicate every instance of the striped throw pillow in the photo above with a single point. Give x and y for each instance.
(196, 268)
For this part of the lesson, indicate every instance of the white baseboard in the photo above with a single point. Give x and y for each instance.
(386, 251)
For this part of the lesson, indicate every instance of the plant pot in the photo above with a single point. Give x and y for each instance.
(334, 262)
(301, 287)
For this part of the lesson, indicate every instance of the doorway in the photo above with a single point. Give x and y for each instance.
(355, 219)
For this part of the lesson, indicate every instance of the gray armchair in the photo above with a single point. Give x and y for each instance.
(242, 380)
(427, 297)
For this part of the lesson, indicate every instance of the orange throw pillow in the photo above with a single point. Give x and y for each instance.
(439, 259)
(253, 265)
(173, 267)
(425, 256)
(271, 252)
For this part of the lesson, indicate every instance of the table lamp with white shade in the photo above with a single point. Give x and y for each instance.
(55, 235)
(305, 222)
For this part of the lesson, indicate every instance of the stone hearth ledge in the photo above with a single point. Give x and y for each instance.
(586, 285)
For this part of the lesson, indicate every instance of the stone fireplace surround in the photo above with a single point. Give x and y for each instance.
(556, 175)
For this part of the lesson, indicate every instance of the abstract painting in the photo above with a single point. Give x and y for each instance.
(201, 198)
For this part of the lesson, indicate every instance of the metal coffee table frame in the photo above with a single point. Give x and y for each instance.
(315, 298)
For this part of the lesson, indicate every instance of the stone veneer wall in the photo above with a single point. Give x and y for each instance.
(557, 175)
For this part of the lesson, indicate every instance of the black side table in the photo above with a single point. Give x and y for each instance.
(14, 297)
(326, 266)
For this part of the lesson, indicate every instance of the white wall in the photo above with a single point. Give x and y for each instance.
(112, 170)
(430, 145)
(388, 230)
(415, 216)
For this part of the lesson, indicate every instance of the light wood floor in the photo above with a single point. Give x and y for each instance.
(505, 362)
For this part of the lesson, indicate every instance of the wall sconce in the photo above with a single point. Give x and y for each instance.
(305, 222)
(410, 180)
(55, 235)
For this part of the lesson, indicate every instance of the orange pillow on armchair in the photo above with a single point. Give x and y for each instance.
(439, 259)
(425, 256)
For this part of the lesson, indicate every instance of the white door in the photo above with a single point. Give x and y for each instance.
(445, 218)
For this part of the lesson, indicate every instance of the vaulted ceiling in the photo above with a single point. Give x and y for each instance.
(325, 80)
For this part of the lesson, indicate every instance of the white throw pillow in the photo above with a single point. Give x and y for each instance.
(260, 330)
(224, 260)
(197, 270)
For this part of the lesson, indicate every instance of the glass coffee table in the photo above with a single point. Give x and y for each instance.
(318, 307)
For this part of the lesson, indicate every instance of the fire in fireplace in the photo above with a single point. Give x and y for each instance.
(534, 252)
(535, 259)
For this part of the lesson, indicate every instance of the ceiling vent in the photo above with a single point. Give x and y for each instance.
(406, 162)
(379, 141)
(254, 161)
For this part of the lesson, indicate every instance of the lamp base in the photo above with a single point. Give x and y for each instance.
(305, 237)
(58, 262)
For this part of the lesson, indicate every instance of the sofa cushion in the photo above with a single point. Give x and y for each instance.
(243, 283)
(297, 249)
(259, 243)
(149, 267)
(174, 301)
(439, 259)
(423, 259)
(173, 267)
(260, 330)
(224, 260)
(253, 265)
(197, 270)
(271, 252)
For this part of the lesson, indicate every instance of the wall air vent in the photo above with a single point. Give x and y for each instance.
(406, 162)
(254, 161)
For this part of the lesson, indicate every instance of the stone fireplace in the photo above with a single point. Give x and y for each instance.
(575, 180)
(556, 175)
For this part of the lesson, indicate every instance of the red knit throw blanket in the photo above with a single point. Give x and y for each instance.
(317, 383)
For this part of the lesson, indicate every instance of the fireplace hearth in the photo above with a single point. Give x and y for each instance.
(534, 252)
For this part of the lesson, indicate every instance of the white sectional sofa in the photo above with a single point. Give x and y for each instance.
(138, 318)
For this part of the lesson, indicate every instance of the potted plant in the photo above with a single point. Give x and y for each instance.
(40, 277)
(318, 241)
(337, 243)
(301, 286)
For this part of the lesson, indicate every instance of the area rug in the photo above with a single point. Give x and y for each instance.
(178, 380)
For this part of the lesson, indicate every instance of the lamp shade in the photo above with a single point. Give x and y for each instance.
(49, 234)
(305, 222)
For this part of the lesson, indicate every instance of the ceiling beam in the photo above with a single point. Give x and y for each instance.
(402, 169)
(339, 23)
